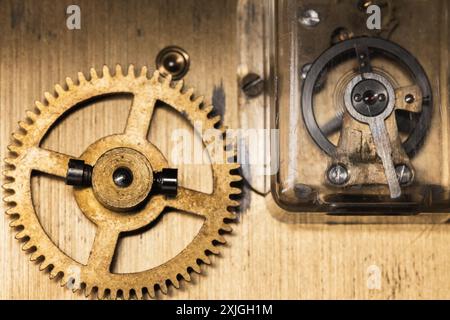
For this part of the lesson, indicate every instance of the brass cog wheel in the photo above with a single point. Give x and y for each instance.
(26, 156)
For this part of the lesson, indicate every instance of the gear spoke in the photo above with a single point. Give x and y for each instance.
(103, 249)
(140, 116)
(194, 202)
(49, 162)
(332, 126)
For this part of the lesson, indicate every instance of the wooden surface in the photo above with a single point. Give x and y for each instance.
(264, 257)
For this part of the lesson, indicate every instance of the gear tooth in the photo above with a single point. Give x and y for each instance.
(113, 294)
(53, 273)
(35, 255)
(44, 265)
(175, 282)
(87, 290)
(25, 126)
(231, 215)
(76, 288)
(233, 203)
(234, 166)
(131, 72)
(13, 148)
(208, 109)
(31, 115)
(215, 120)
(235, 178)
(10, 199)
(151, 292)
(235, 191)
(94, 75)
(196, 268)
(49, 97)
(18, 136)
(220, 239)
(144, 72)
(59, 90)
(64, 280)
(81, 78)
(21, 234)
(223, 129)
(155, 77)
(167, 80)
(227, 228)
(213, 249)
(27, 246)
(9, 174)
(40, 106)
(205, 259)
(13, 211)
(186, 276)
(163, 287)
(179, 86)
(9, 186)
(70, 83)
(16, 223)
(198, 101)
(127, 294)
(119, 71)
(10, 161)
(106, 73)
(189, 93)
(102, 293)
(138, 294)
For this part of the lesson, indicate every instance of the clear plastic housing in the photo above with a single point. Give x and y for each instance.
(301, 32)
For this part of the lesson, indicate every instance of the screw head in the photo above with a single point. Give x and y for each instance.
(357, 97)
(338, 174)
(309, 18)
(252, 85)
(404, 173)
(381, 97)
(174, 61)
(305, 69)
(409, 98)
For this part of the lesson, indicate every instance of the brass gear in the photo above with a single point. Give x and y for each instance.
(26, 156)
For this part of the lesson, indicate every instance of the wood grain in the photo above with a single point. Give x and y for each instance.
(265, 258)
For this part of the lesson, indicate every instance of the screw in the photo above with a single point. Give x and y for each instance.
(309, 18)
(381, 97)
(78, 173)
(409, 98)
(338, 174)
(364, 4)
(166, 182)
(305, 70)
(404, 173)
(174, 61)
(357, 97)
(252, 85)
(341, 34)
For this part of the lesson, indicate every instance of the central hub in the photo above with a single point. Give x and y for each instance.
(122, 179)
(370, 97)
